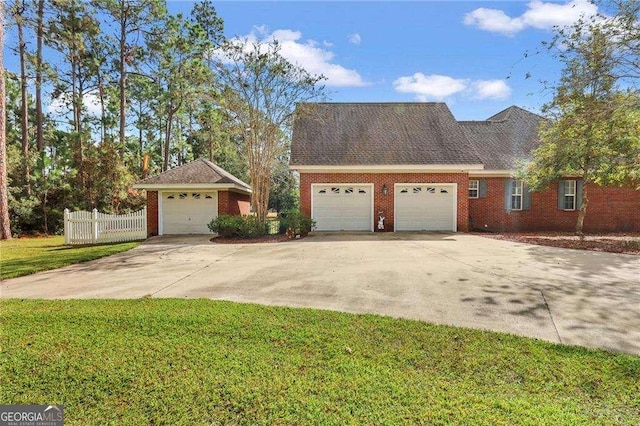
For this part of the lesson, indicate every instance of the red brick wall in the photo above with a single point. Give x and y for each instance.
(609, 209)
(233, 203)
(383, 202)
(152, 213)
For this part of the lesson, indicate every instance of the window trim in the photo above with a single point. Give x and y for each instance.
(514, 186)
(574, 195)
(477, 188)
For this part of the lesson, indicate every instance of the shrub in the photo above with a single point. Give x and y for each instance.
(237, 226)
(296, 221)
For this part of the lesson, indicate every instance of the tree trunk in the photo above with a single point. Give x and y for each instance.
(5, 224)
(39, 116)
(583, 212)
(123, 76)
(24, 107)
(167, 142)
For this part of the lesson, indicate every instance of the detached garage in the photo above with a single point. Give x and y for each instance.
(185, 199)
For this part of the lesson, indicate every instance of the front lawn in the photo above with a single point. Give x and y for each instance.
(165, 361)
(24, 256)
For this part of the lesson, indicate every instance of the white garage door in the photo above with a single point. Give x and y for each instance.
(188, 212)
(425, 207)
(342, 207)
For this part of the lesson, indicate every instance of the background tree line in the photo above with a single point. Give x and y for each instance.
(107, 92)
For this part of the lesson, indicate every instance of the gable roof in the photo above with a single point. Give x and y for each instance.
(367, 134)
(504, 138)
(198, 172)
(404, 134)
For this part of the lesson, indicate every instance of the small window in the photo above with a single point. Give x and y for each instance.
(404, 191)
(322, 191)
(361, 191)
(444, 191)
(417, 190)
(196, 195)
(171, 196)
(570, 195)
(183, 195)
(431, 190)
(516, 195)
(348, 191)
(335, 190)
(474, 188)
(208, 196)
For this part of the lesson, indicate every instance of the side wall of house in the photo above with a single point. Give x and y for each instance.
(233, 203)
(152, 213)
(609, 209)
(385, 202)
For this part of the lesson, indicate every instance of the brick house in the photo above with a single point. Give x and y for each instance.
(421, 170)
(183, 200)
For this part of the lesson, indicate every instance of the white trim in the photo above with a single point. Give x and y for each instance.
(390, 168)
(521, 195)
(191, 186)
(455, 201)
(160, 218)
(371, 185)
(574, 195)
(491, 173)
(477, 189)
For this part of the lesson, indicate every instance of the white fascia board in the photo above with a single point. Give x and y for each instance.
(390, 168)
(492, 173)
(190, 186)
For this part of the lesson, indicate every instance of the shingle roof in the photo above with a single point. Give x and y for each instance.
(504, 138)
(199, 171)
(337, 134)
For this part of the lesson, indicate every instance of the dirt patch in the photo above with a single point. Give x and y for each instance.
(280, 238)
(611, 243)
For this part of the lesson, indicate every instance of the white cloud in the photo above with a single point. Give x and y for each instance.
(432, 86)
(539, 15)
(492, 89)
(354, 38)
(308, 54)
(439, 87)
(62, 104)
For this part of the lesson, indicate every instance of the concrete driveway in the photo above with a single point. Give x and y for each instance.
(560, 295)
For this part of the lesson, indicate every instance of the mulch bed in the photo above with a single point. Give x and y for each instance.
(611, 243)
(280, 238)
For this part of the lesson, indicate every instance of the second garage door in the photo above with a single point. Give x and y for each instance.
(425, 207)
(342, 207)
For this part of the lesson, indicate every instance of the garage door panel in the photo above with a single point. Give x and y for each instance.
(425, 207)
(342, 207)
(188, 212)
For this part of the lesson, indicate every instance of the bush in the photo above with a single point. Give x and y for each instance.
(238, 226)
(296, 221)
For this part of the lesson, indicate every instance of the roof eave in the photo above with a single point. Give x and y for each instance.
(387, 168)
(177, 186)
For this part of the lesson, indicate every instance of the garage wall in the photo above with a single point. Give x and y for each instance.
(233, 203)
(383, 202)
(152, 213)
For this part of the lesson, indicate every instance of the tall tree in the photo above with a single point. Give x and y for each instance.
(595, 131)
(5, 223)
(39, 65)
(19, 12)
(261, 90)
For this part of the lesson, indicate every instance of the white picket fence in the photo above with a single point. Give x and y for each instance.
(83, 227)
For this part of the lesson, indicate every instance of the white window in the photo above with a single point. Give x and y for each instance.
(516, 195)
(474, 188)
(569, 195)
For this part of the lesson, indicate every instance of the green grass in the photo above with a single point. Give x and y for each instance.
(181, 362)
(24, 256)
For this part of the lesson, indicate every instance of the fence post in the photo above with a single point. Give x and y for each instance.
(67, 227)
(94, 217)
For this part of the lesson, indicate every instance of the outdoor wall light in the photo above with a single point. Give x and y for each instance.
(384, 188)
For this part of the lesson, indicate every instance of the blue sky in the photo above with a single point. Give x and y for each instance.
(469, 54)
(466, 53)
